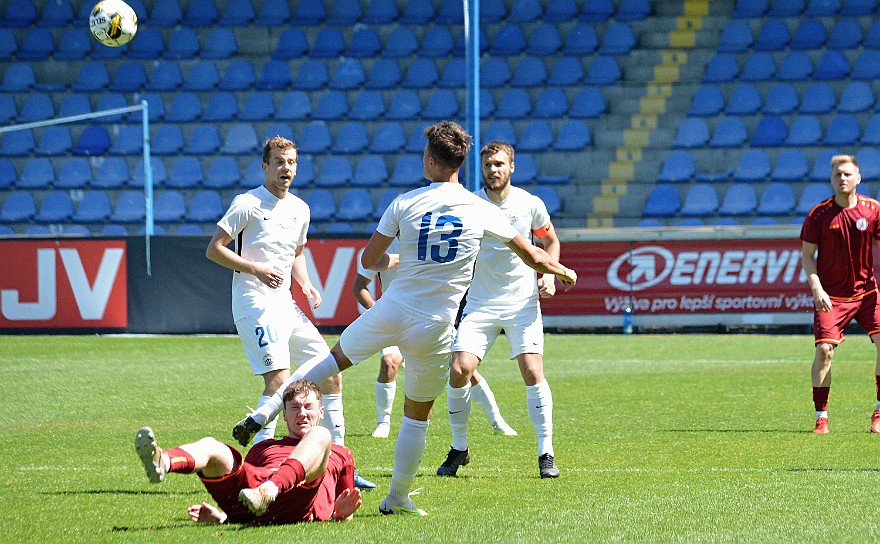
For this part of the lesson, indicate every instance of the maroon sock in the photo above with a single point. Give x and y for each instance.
(820, 398)
(290, 474)
(181, 461)
(877, 386)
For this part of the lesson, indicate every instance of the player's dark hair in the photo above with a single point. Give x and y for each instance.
(276, 142)
(448, 143)
(494, 147)
(300, 388)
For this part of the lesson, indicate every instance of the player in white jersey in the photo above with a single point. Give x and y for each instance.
(391, 360)
(504, 296)
(269, 226)
(439, 228)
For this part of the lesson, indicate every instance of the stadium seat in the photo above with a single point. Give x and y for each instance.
(692, 132)
(364, 43)
(254, 175)
(308, 13)
(857, 97)
(93, 141)
(112, 174)
(8, 173)
(237, 13)
(869, 163)
(73, 104)
(168, 207)
(597, 10)
(278, 129)
(385, 74)
(322, 204)
(182, 45)
(663, 201)
(857, 8)
(331, 105)
(494, 72)
(315, 138)
(736, 37)
(786, 8)
(552, 104)
(221, 106)
(701, 200)
(618, 39)
(113, 230)
(166, 76)
(678, 167)
(238, 76)
(573, 136)
(417, 141)
(17, 143)
(453, 74)
(739, 199)
(437, 42)
(822, 8)
(130, 77)
(18, 207)
(458, 51)
(441, 104)
(128, 141)
(401, 43)
(206, 206)
(633, 10)
(37, 44)
(536, 136)
(274, 75)
(8, 109)
(149, 45)
(487, 104)
(166, 13)
(240, 140)
(258, 106)
(509, 41)
(744, 100)
(349, 74)
(603, 71)
(526, 169)
(37, 173)
(312, 75)
(729, 132)
(94, 207)
(771, 131)
(514, 104)
(167, 140)
(791, 165)
(368, 105)
(450, 12)
(545, 38)
(759, 66)
(500, 131)
(832, 65)
(328, 43)
(782, 98)
(813, 194)
(866, 66)
(821, 170)
(567, 71)
(223, 173)
(156, 110)
(404, 105)
(295, 106)
(355, 205)
(408, 172)
(384, 200)
(707, 101)
(524, 11)
(381, 12)
(345, 13)
(8, 44)
(351, 138)
(842, 130)
(810, 34)
(186, 173)
(754, 165)
(56, 14)
(75, 173)
(805, 130)
(846, 34)
(389, 138)
(421, 74)
(74, 45)
(18, 77)
(19, 14)
(277, 13)
(130, 208)
(292, 44)
(185, 107)
(36, 107)
(550, 197)
(157, 167)
(530, 72)
(56, 140)
(795, 66)
(371, 171)
(777, 199)
(202, 76)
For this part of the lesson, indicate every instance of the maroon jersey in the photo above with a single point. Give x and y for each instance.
(845, 237)
(311, 502)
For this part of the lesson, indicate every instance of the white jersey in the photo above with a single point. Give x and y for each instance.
(385, 276)
(501, 279)
(267, 230)
(440, 228)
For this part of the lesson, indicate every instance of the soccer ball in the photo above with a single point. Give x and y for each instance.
(113, 22)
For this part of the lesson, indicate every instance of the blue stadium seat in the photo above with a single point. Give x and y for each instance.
(736, 37)
(75, 173)
(185, 107)
(437, 42)
(550, 197)
(114, 230)
(573, 136)
(872, 37)
(56, 207)
(8, 173)
(166, 13)
(526, 169)
(351, 138)
(866, 66)
(156, 108)
(618, 39)
(277, 13)
(258, 106)
(805, 130)
(791, 165)
(322, 204)
(274, 75)
(530, 72)
(514, 104)
(389, 138)
(545, 39)
(93, 141)
(487, 104)
(364, 43)
(458, 51)
(560, 11)
(56, 140)
(129, 208)
(821, 170)
(492, 11)
(759, 66)
(450, 12)
(421, 74)
(822, 8)
(149, 45)
(73, 104)
(219, 44)
(604, 70)
(240, 140)
(777, 199)
(587, 104)
(692, 132)
(312, 75)
(308, 13)
(441, 104)
(305, 171)
(292, 44)
(37, 44)
(56, 14)
(328, 43)
(552, 104)
(315, 138)
(754, 165)
(869, 163)
(223, 173)
(380, 12)
(8, 44)
(168, 207)
(744, 100)
(94, 207)
(852, 8)
(404, 105)
(417, 141)
(75, 44)
(663, 201)
(166, 76)
(349, 74)
(832, 65)
(810, 34)
(36, 107)
(771, 131)
(653, 223)
(186, 173)
(38, 173)
(128, 141)
(18, 77)
(368, 105)
(782, 98)
(202, 76)
(112, 174)
(130, 77)
(167, 140)
(401, 43)
(201, 13)
(17, 143)
(773, 36)
(500, 131)
(238, 76)
(524, 11)
(18, 207)
(597, 10)
(536, 136)
(295, 106)
(856, 97)
(729, 132)
(795, 66)
(355, 205)
(813, 194)
(384, 200)
(371, 171)
(157, 166)
(566, 71)
(633, 10)
(206, 206)
(8, 109)
(278, 129)
(345, 13)
(237, 13)
(408, 172)
(842, 130)
(707, 101)
(331, 105)
(739, 199)
(701, 200)
(385, 74)
(221, 106)
(677, 167)
(509, 41)
(846, 34)
(494, 72)
(786, 8)
(189, 229)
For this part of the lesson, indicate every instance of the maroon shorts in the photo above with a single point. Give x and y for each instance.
(828, 326)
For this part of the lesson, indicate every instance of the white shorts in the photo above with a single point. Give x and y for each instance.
(479, 329)
(276, 339)
(425, 344)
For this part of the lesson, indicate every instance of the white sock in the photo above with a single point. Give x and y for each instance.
(268, 430)
(385, 401)
(317, 369)
(271, 489)
(485, 399)
(459, 401)
(821, 413)
(540, 403)
(411, 442)
(334, 417)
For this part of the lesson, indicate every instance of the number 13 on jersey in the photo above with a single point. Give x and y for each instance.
(438, 238)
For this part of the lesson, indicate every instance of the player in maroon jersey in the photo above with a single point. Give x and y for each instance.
(301, 477)
(837, 244)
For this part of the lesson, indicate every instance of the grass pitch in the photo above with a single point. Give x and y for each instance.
(676, 438)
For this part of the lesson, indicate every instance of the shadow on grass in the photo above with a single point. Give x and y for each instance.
(122, 492)
(734, 431)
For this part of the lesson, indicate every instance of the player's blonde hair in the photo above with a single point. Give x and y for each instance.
(837, 160)
(495, 146)
(300, 388)
(448, 143)
(276, 142)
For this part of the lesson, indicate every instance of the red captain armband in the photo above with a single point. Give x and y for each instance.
(543, 231)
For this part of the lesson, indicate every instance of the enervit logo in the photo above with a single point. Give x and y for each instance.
(647, 266)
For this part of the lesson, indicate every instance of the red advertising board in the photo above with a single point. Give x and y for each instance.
(684, 277)
(63, 284)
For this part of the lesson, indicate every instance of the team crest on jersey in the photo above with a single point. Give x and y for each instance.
(267, 360)
(862, 224)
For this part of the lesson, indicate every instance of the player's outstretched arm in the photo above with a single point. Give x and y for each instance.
(205, 513)
(541, 261)
(346, 504)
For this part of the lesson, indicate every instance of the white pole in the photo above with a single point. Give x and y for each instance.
(148, 183)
